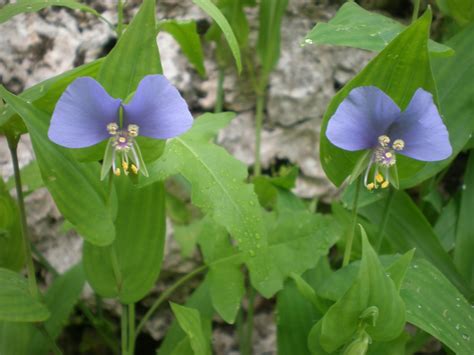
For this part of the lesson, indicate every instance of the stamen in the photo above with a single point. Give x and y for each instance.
(122, 139)
(370, 186)
(134, 169)
(117, 172)
(124, 165)
(398, 144)
(384, 140)
(133, 130)
(112, 128)
(385, 184)
(379, 178)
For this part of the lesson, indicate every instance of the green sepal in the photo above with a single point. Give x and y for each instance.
(108, 160)
(360, 166)
(393, 171)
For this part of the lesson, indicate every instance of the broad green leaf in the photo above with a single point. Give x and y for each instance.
(187, 236)
(199, 300)
(218, 183)
(268, 46)
(355, 27)
(12, 255)
(27, 6)
(185, 33)
(16, 302)
(399, 70)
(456, 97)
(461, 10)
(30, 178)
(445, 226)
(407, 228)
(436, 306)
(44, 95)
(212, 10)
(189, 320)
(140, 228)
(226, 280)
(75, 187)
(372, 288)
(463, 257)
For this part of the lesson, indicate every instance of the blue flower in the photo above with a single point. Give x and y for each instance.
(86, 115)
(369, 119)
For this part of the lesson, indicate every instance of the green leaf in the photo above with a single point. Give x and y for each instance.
(12, 255)
(139, 244)
(28, 6)
(218, 183)
(372, 288)
(75, 187)
(268, 46)
(436, 306)
(399, 70)
(185, 33)
(212, 10)
(465, 227)
(16, 303)
(456, 97)
(189, 320)
(445, 226)
(407, 228)
(355, 27)
(199, 300)
(226, 280)
(461, 10)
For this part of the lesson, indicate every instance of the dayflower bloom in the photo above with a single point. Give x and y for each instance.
(369, 119)
(86, 115)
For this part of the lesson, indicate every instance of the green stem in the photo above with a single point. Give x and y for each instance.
(220, 91)
(257, 170)
(383, 224)
(247, 350)
(416, 10)
(164, 296)
(131, 328)
(33, 286)
(53, 346)
(124, 330)
(350, 237)
(119, 18)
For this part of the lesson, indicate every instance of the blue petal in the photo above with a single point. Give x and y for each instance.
(82, 113)
(422, 129)
(363, 116)
(158, 109)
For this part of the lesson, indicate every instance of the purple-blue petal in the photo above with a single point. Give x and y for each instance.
(363, 116)
(422, 129)
(158, 109)
(82, 113)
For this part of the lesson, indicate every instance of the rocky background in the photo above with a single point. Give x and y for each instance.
(34, 47)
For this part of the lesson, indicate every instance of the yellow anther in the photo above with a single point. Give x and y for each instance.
(384, 140)
(112, 128)
(117, 172)
(388, 155)
(125, 165)
(385, 184)
(122, 139)
(132, 130)
(134, 169)
(398, 144)
(370, 186)
(379, 178)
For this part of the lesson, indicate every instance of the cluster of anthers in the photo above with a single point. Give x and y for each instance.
(383, 157)
(123, 144)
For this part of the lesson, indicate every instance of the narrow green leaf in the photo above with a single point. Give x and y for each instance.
(12, 255)
(185, 33)
(436, 306)
(212, 10)
(465, 227)
(445, 226)
(75, 187)
(16, 303)
(456, 97)
(399, 70)
(355, 27)
(140, 228)
(407, 228)
(268, 46)
(461, 10)
(30, 178)
(189, 320)
(27, 6)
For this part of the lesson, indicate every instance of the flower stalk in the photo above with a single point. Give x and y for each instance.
(350, 236)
